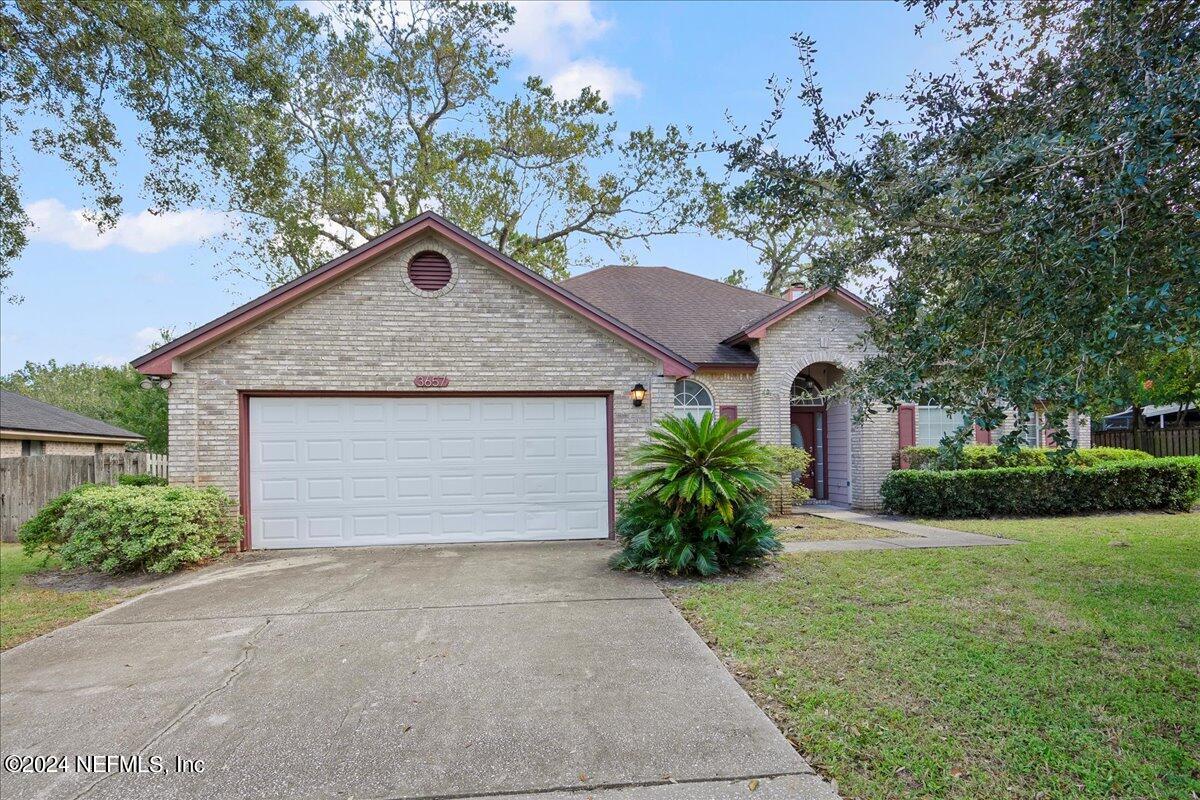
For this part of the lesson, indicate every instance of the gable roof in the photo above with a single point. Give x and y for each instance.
(158, 361)
(691, 314)
(21, 413)
(757, 328)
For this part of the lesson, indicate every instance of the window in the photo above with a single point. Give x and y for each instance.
(934, 422)
(1033, 429)
(691, 399)
(806, 392)
(32, 447)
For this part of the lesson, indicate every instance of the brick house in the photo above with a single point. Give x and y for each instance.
(426, 388)
(30, 427)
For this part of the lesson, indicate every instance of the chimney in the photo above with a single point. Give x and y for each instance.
(794, 291)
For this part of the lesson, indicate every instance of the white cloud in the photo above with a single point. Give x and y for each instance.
(109, 361)
(144, 232)
(550, 35)
(611, 82)
(146, 338)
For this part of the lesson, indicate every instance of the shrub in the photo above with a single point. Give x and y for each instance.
(41, 531)
(787, 460)
(1098, 455)
(657, 539)
(151, 528)
(976, 456)
(1140, 485)
(695, 500)
(140, 479)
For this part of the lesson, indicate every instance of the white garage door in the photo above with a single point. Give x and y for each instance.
(341, 471)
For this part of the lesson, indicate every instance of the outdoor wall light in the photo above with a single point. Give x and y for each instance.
(150, 383)
(637, 394)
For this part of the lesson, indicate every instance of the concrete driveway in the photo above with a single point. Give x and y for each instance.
(421, 672)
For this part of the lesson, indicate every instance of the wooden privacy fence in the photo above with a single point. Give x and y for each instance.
(29, 482)
(1156, 441)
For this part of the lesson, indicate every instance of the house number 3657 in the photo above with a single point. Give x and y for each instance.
(431, 381)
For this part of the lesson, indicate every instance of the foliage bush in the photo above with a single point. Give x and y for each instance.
(787, 460)
(1140, 485)
(659, 539)
(148, 528)
(41, 531)
(977, 456)
(140, 479)
(696, 499)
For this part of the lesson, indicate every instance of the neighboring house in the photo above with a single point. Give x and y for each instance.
(30, 427)
(426, 388)
(1153, 417)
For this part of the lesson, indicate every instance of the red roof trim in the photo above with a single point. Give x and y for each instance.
(757, 329)
(158, 362)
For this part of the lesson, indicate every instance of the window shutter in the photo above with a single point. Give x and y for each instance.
(982, 435)
(906, 418)
(729, 413)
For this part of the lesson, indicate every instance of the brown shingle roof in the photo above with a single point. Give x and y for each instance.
(687, 313)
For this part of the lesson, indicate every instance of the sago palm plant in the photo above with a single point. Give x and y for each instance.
(695, 499)
(708, 464)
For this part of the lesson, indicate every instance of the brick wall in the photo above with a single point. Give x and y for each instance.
(11, 448)
(69, 448)
(826, 332)
(730, 388)
(371, 332)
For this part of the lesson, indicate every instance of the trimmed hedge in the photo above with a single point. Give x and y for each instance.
(988, 456)
(1171, 484)
(128, 528)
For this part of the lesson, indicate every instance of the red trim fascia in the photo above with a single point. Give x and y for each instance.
(244, 436)
(612, 468)
(244, 467)
(158, 362)
(758, 329)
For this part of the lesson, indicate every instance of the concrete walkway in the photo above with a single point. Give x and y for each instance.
(916, 535)
(508, 671)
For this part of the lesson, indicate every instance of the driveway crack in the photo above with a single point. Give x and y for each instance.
(354, 584)
(247, 654)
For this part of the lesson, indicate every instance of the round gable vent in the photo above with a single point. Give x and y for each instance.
(429, 271)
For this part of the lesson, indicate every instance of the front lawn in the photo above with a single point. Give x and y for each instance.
(1066, 667)
(27, 611)
(811, 528)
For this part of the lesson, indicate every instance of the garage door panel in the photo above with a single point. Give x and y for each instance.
(368, 471)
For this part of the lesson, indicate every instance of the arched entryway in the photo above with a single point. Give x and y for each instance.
(820, 426)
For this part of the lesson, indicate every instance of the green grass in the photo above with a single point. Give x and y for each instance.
(1065, 667)
(821, 529)
(27, 611)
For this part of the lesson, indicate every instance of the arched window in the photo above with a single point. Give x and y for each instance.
(806, 392)
(691, 399)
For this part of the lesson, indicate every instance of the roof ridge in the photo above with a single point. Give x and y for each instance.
(678, 271)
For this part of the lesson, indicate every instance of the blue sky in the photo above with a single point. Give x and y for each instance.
(102, 299)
